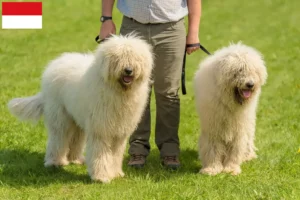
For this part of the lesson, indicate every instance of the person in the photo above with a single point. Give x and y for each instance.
(162, 24)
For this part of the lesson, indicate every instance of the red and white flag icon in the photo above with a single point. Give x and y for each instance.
(22, 15)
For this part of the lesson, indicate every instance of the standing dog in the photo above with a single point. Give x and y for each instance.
(99, 97)
(227, 89)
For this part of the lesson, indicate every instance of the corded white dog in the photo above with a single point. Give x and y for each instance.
(227, 89)
(99, 97)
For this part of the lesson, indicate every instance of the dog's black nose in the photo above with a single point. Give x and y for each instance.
(128, 71)
(250, 84)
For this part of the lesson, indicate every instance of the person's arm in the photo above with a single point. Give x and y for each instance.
(108, 27)
(107, 7)
(194, 8)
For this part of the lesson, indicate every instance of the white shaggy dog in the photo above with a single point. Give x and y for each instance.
(227, 89)
(99, 97)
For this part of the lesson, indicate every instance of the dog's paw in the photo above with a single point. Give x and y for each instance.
(232, 169)
(101, 179)
(249, 157)
(120, 174)
(211, 170)
(79, 161)
(56, 163)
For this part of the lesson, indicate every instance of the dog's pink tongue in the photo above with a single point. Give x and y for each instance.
(246, 93)
(127, 79)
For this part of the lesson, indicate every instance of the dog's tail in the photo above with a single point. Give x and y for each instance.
(28, 108)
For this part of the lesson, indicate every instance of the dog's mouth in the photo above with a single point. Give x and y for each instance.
(127, 79)
(242, 95)
(245, 93)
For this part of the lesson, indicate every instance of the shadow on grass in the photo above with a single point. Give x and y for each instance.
(21, 167)
(24, 168)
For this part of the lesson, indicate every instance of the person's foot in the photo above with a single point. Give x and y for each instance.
(137, 161)
(171, 162)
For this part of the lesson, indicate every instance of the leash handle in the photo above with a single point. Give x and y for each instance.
(97, 39)
(198, 45)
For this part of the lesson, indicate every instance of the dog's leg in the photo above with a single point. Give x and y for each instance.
(235, 156)
(250, 151)
(99, 158)
(211, 154)
(76, 144)
(118, 150)
(57, 123)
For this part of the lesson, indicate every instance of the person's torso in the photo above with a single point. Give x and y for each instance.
(154, 11)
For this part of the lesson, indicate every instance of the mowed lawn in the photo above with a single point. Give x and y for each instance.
(271, 26)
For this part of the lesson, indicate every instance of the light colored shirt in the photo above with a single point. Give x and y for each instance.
(153, 11)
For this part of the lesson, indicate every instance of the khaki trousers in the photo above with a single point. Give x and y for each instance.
(168, 41)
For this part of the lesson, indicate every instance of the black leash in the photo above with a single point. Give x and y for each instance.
(97, 39)
(183, 64)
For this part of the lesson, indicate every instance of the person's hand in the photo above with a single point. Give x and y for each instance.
(108, 27)
(192, 38)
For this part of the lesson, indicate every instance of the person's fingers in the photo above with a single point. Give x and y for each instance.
(114, 30)
(106, 33)
(107, 29)
(191, 49)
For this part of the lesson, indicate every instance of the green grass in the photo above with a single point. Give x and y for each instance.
(271, 26)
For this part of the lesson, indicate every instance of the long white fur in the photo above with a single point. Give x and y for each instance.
(82, 99)
(227, 127)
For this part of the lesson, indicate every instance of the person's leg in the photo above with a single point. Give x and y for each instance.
(139, 140)
(169, 49)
